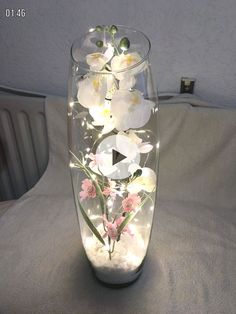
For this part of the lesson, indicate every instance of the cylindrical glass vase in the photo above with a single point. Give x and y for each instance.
(113, 147)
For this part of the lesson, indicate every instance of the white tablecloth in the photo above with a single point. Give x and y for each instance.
(191, 265)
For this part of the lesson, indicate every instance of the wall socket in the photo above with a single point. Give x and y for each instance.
(187, 85)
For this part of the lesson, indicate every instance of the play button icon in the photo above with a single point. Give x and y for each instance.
(116, 153)
(117, 157)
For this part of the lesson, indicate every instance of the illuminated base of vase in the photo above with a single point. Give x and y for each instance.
(125, 264)
(120, 279)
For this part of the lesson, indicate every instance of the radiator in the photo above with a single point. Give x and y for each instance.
(23, 143)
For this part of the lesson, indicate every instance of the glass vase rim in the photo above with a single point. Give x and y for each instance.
(143, 58)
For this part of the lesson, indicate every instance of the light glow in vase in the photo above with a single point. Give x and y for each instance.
(113, 147)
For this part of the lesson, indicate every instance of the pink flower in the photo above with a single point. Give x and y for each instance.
(94, 160)
(131, 202)
(88, 190)
(110, 190)
(126, 228)
(111, 229)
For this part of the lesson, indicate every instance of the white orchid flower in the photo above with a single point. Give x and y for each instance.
(145, 182)
(127, 83)
(130, 109)
(143, 147)
(102, 117)
(120, 63)
(98, 60)
(125, 146)
(92, 91)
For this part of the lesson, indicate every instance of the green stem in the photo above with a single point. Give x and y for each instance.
(114, 44)
(113, 246)
(109, 243)
(89, 223)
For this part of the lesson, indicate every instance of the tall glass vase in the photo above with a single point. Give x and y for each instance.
(113, 147)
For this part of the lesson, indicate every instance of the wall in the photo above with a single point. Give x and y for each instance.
(189, 38)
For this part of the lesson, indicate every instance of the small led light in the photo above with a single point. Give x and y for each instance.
(158, 145)
(71, 104)
(71, 165)
(92, 29)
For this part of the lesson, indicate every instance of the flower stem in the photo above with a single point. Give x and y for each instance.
(114, 44)
(113, 246)
(109, 243)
